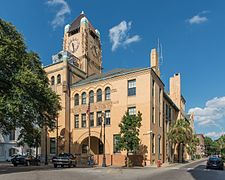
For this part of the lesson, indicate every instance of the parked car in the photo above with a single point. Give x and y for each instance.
(11, 157)
(64, 159)
(215, 162)
(25, 160)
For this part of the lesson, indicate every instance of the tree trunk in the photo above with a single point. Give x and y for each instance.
(172, 152)
(180, 152)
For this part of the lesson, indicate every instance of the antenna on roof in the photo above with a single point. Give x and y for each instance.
(159, 51)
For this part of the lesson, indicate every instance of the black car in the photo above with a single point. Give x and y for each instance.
(25, 160)
(64, 159)
(215, 162)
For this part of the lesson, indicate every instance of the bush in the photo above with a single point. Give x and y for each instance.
(198, 156)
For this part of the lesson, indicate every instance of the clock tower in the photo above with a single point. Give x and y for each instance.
(82, 40)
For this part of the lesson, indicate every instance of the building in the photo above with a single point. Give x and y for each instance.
(200, 151)
(9, 146)
(76, 76)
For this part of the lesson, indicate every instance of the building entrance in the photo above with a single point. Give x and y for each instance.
(96, 146)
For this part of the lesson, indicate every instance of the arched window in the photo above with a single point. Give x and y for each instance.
(99, 95)
(58, 79)
(83, 98)
(52, 80)
(76, 99)
(91, 96)
(107, 93)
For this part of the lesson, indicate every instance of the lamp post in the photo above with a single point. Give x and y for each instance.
(104, 158)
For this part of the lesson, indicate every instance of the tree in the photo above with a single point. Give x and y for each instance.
(26, 100)
(221, 144)
(208, 144)
(180, 134)
(30, 136)
(129, 131)
(192, 146)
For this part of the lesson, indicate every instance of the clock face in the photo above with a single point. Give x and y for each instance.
(73, 45)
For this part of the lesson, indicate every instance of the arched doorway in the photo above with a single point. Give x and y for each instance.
(96, 146)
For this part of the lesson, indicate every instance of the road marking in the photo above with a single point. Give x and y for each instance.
(189, 169)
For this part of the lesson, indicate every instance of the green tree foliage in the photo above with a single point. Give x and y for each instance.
(180, 134)
(129, 131)
(30, 136)
(26, 100)
(192, 145)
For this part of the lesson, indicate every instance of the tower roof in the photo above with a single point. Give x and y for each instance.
(76, 23)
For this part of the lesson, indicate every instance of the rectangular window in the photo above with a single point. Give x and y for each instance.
(91, 119)
(132, 87)
(160, 91)
(153, 143)
(116, 140)
(107, 117)
(132, 110)
(159, 118)
(99, 118)
(167, 112)
(153, 115)
(83, 120)
(12, 136)
(163, 110)
(159, 145)
(76, 121)
(153, 88)
(52, 146)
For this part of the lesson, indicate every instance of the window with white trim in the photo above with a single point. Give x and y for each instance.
(132, 110)
(132, 87)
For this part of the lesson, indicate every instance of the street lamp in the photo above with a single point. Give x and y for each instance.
(104, 158)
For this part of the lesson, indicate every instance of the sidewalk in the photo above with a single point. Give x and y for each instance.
(165, 165)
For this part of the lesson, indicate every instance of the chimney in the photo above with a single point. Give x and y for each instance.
(155, 61)
(175, 89)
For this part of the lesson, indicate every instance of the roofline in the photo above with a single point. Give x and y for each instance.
(170, 101)
(113, 76)
(157, 76)
(52, 64)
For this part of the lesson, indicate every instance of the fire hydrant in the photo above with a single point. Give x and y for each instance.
(159, 163)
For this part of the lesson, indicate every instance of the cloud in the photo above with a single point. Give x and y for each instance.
(119, 35)
(214, 134)
(213, 111)
(60, 15)
(199, 18)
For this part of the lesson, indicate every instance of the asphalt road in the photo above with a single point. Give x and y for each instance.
(191, 171)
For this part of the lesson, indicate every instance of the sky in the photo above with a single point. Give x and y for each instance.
(192, 35)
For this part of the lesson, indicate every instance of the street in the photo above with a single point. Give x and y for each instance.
(195, 170)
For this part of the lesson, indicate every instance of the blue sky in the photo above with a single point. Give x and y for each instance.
(192, 34)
